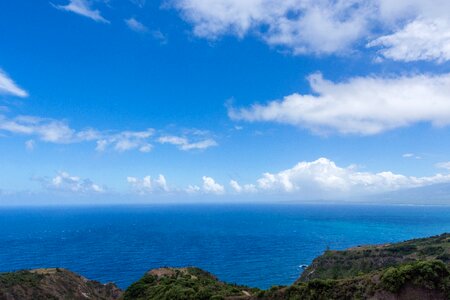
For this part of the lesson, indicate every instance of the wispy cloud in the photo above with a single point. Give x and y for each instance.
(59, 132)
(184, 144)
(443, 165)
(135, 25)
(9, 87)
(29, 145)
(127, 140)
(411, 155)
(83, 8)
(64, 182)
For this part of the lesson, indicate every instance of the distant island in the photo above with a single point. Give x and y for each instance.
(415, 269)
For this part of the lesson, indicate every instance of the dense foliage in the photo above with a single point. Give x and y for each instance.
(188, 283)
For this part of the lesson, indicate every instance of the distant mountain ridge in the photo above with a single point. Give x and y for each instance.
(435, 194)
(415, 269)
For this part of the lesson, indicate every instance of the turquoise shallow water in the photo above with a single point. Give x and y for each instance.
(256, 245)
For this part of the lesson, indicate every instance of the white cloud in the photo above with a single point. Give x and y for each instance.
(328, 26)
(247, 188)
(322, 178)
(135, 25)
(83, 8)
(9, 87)
(59, 132)
(443, 165)
(126, 140)
(419, 40)
(193, 189)
(65, 182)
(184, 144)
(211, 186)
(302, 25)
(411, 155)
(361, 105)
(148, 185)
(48, 130)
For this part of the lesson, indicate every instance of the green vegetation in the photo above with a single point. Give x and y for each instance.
(431, 278)
(24, 278)
(363, 260)
(186, 283)
(431, 275)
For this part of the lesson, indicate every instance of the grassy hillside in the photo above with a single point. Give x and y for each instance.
(421, 280)
(365, 259)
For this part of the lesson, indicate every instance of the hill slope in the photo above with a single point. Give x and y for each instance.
(53, 284)
(364, 259)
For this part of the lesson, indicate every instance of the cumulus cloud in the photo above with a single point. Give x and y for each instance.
(246, 188)
(421, 39)
(211, 186)
(360, 105)
(193, 189)
(9, 87)
(323, 179)
(135, 25)
(83, 8)
(64, 182)
(328, 26)
(148, 185)
(184, 144)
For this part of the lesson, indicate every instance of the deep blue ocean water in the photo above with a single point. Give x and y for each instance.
(256, 245)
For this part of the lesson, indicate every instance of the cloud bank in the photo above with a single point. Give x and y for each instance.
(321, 179)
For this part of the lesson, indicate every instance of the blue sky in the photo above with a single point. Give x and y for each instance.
(222, 100)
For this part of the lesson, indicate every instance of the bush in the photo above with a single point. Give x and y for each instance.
(428, 274)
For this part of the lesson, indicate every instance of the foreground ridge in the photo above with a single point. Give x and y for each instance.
(415, 269)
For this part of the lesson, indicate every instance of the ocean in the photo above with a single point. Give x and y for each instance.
(255, 245)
